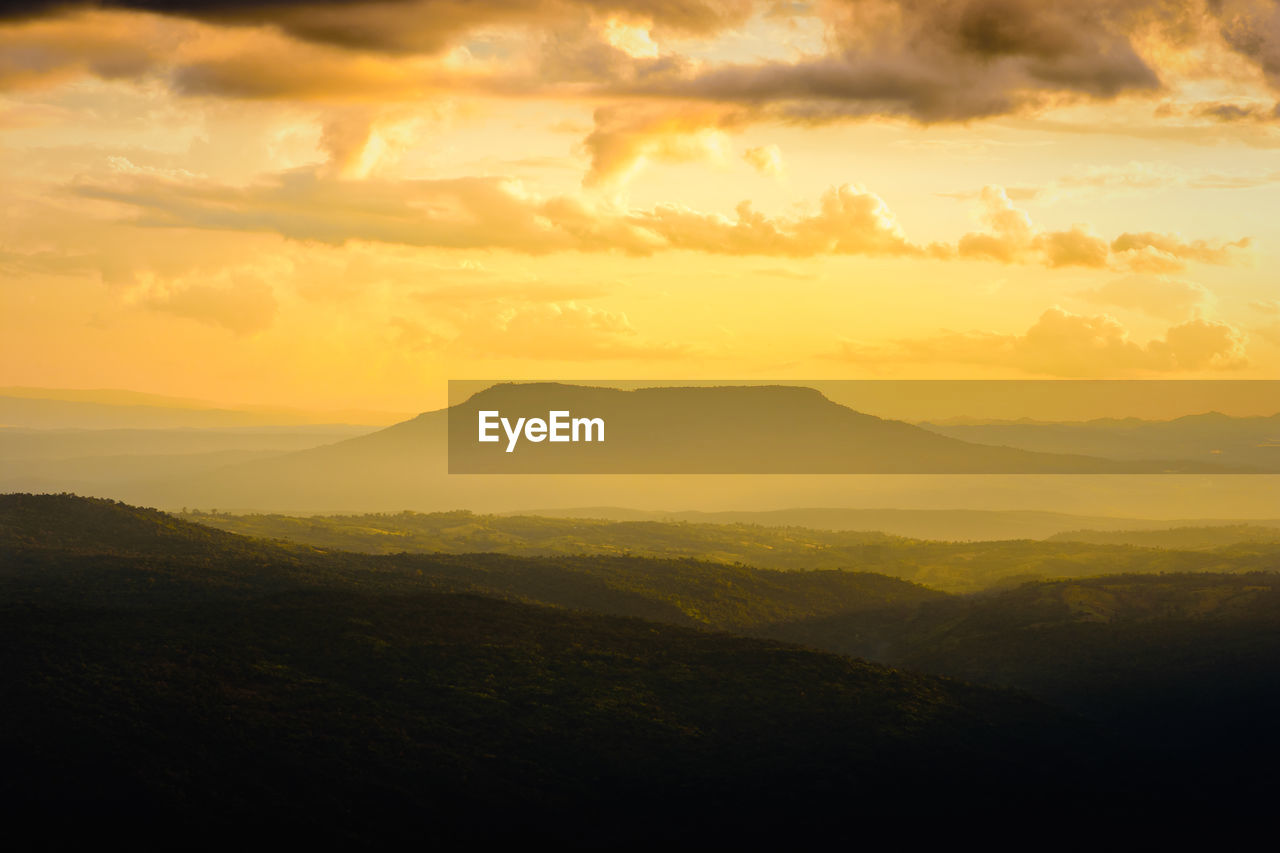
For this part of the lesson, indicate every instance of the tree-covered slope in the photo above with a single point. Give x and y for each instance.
(951, 566)
(173, 679)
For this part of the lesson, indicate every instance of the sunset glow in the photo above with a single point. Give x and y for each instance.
(339, 204)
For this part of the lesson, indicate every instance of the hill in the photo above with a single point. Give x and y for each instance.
(949, 566)
(1183, 538)
(953, 525)
(179, 560)
(1179, 663)
(162, 676)
(1252, 442)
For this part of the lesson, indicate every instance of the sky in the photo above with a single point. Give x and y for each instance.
(344, 205)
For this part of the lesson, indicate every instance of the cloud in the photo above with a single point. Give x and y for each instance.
(1134, 177)
(1010, 233)
(1142, 177)
(1150, 252)
(361, 139)
(1060, 343)
(310, 205)
(1011, 237)
(43, 53)
(1065, 344)
(405, 26)
(765, 159)
(560, 331)
(922, 60)
(267, 66)
(526, 321)
(317, 204)
(1252, 29)
(1225, 111)
(1169, 299)
(943, 62)
(238, 303)
(625, 137)
(1266, 306)
(475, 213)
(1075, 247)
(849, 221)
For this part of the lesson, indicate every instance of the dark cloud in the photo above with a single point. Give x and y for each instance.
(43, 55)
(943, 61)
(1225, 111)
(419, 26)
(931, 61)
(1252, 29)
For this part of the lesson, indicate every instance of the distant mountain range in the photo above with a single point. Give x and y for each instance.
(769, 429)
(957, 525)
(306, 468)
(1211, 437)
(65, 408)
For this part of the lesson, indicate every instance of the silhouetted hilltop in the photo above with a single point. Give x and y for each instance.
(67, 522)
(167, 559)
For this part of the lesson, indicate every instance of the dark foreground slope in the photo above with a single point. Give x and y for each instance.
(165, 678)
(1184, 665)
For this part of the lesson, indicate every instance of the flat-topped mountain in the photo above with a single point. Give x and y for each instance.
(749, 429)
(658, 442)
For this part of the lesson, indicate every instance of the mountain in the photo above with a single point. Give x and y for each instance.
(162, 676)
(765, 429)
(85, 460)
(769, 428)
(1252, 442)
(1182, 662)
(64, 408)
(683, 591)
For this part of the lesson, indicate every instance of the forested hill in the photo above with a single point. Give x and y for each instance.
(951, 566)
(1191, 538)
(164, 558)
(242, 687)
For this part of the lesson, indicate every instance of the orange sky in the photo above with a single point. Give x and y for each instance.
(342, 205)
